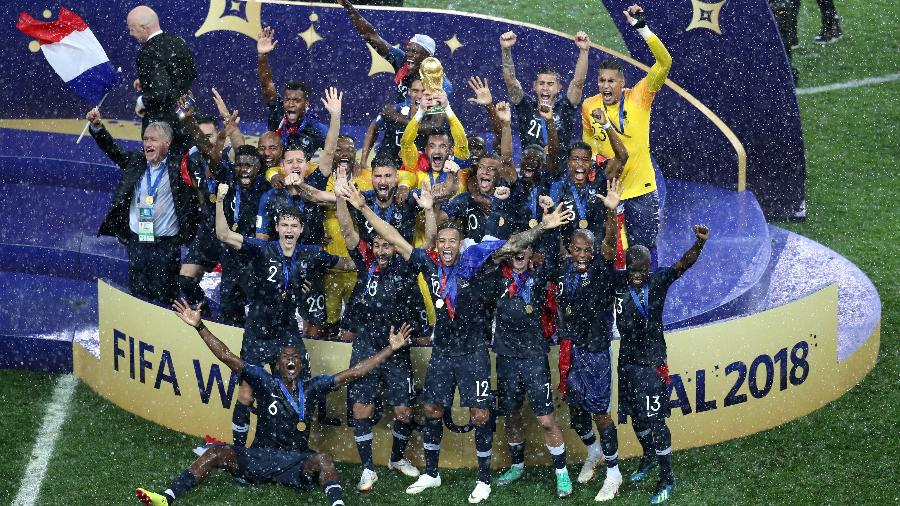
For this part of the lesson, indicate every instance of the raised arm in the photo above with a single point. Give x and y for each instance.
(447, 189)
(389, 233)
(225, 234)
(191, 316)
(105, 139)
(351, 236)
(457, 131)
(484, 98)
(559, 217)
(614, 166)
(409, 153)
(513, 87)
(611, 202)
(368, 142)
(426, 202)
(693, 253)
(656, 76)
(507, 167)
(396, 339)
(332, 103)
(365, 29)
(264, 45)
(235, 135)
(576, 87)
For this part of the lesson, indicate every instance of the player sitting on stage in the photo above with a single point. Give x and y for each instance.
(280, 452)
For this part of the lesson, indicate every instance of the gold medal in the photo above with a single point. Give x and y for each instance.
(568, 309)
(212, 198)
(284, 295)
(533, 223)
(502, 221)
(149, 200)
(583, 224)
(234, 227)
(301, 426)
(529, 308)
(439, 303)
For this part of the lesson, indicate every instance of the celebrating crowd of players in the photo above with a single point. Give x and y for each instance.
(438, 240)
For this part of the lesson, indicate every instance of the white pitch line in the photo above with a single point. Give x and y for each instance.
(856, 83)
(45, 441)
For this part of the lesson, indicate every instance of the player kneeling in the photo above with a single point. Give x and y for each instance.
(280, 452)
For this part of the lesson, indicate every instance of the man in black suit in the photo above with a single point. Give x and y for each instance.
(165, 68)
(155, 208)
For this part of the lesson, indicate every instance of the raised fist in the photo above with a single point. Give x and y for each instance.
(507, 40)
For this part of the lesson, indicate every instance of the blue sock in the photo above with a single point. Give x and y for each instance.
(334, 493)
(609, 440)
(517, 453)
(558, 453)
(434, 430)
(662, 443)
(484, 439)
(401, 432)
(362, 433)
(240, 424)
(185, 481)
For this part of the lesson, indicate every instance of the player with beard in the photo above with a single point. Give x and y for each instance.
(431, 164)
(546, 87)
(459, 357)
(585, 294)
(405, 61)
(385, 292)
(643, 371)
(275, 280)
(288, 115)
(522, 365)
(628, 110)
(280, 451)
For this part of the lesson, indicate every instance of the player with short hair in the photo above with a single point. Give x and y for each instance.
(643, 371)
(579, 191)
(628, 112)
(459, 357)
(275, 278)
(385, 296)
(288, 115)
(546, 87)
(280, 451)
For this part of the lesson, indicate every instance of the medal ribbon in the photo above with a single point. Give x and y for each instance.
(388, 214)
(643, 309)
(523, 286)
(442, 176)
(449, 287)
(236, 204)
(621, 129)
(287, 268)
(533, 205)
(299, 405)
(579, 202)
(153, 185)
(571, 284)
(286, 130)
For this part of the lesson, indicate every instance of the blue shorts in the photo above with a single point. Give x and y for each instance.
(643, 394)
(470, 372)
(515, 376)
(642, 219)
(268, 465)
(590, 380)
(205, 249)
(394, 376)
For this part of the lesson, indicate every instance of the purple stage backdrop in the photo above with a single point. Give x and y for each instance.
(730, 58)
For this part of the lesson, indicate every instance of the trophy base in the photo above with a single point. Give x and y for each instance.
(435, 109)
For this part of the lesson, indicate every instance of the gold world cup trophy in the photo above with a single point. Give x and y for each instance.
(432, 73)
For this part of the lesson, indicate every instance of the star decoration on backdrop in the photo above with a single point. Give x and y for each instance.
(706, 15)
(310, 36)
(453, 43)
(379, 64)
(232, 16)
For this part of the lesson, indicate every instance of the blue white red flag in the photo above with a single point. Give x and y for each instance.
(74, 53)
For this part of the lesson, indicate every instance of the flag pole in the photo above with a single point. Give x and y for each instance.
(86, 125)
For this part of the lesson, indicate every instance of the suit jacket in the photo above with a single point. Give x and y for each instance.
(166, 69)
(134, 165)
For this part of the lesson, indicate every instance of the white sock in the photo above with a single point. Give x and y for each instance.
(595, 451)
(613, 471)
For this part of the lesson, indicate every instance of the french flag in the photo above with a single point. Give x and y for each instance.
(73, 52)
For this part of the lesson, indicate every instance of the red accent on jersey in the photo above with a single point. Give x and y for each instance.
(565, 364)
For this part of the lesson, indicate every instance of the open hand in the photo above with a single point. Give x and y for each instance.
(266, 41)
(220, 104)
(424, 198)
(559, 217)
(400, 339)
(613, 194)
(332, 101)
(353, 196)
(188, 315)
(482, 92)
